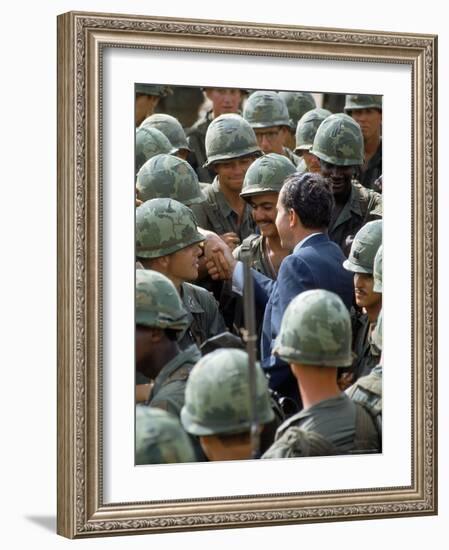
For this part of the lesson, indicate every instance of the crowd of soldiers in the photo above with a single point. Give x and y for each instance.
(267, 208)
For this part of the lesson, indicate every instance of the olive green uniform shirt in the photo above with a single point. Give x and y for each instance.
(169, 385)
(362, 206)
(367, 354)
(255, 245)
(332, 419)
(296, 159)
(206, 320)
(216, 214)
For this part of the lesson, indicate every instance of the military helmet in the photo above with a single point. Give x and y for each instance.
(298, 103)
(164, 226)
(265, 109)
(356, 101)
(158, 303)
(160, 438)
(217, 397)
(266, 175)
(153, 89)
(170, 127)
(151, 142)
(339, 141)
(229, 136)
(377, 271)
(315, 330)
(364, 247)
(170, 177)
(307, 127)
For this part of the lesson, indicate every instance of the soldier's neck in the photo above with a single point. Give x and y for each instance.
(371, 146)
(316, 383)
(234, 199)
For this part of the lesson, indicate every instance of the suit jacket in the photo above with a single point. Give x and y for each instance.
(316, 263)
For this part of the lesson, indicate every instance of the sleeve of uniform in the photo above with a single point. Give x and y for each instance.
(200, 213)
(375, 207)
(170, 398)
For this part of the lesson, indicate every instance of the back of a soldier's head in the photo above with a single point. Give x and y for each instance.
(218, 406)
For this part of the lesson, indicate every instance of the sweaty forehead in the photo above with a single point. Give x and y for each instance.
(265, 199)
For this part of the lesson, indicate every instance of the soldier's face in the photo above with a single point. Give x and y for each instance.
(224, 100)
(145, 105)
(370, 121)
(365, 297)
(147, 339)
(339, 176)
(264, 213)
(232, 172)
(183, 265)
(271, 140)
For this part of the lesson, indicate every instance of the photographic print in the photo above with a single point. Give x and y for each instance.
(228, 337)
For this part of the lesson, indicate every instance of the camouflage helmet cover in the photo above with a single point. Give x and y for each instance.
(267, 175)
(298, 103)
(170, 127)
(217, 398)
(377, 272)
(265, 109)
(164, 226)
(170, 177)
(150, 142)
(229, 136)
(160, 438)
(153, 89)
(315, 330)
(357, 101)
(364, 247)
(307, 127)
(339, 141)
(158, 303)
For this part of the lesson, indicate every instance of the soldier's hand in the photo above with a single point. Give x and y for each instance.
(231, 239)
(222, 264)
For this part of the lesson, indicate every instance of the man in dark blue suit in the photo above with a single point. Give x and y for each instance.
(305, 207)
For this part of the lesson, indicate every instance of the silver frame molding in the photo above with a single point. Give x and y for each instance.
(81, 38)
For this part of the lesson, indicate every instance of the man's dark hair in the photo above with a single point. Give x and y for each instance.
(311, 197)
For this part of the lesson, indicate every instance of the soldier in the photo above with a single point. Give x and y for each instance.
(338, 144)
(298, 103)
(172, 130)
(224, 100)
(166, 176)
(231, 147)
(160, 319)
(147, 97)
(168, 241)
(366, 110)
(360, 262)
(160, 438)
(368, 389)
(150, 142)
(268, 115)
(305, 134)
(261, 187)
(315, 339)
(218, 404)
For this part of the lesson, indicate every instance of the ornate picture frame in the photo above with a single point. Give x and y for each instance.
(82, 40)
